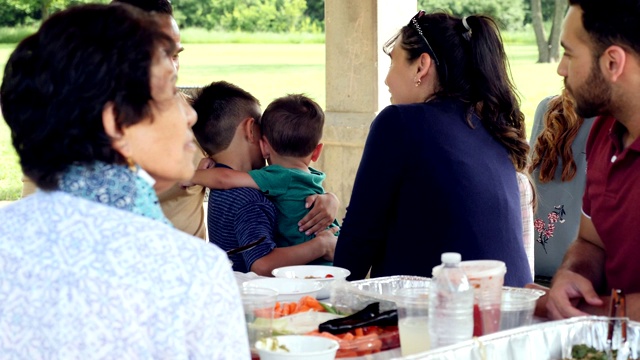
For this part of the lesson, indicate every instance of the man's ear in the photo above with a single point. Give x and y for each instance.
(113, 131)
(613, 59)
(315, 155)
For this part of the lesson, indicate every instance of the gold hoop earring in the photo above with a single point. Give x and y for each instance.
(131, 164)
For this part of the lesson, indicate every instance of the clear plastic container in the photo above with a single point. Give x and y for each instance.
(413, 319)
(517, 307)
(375, 340)
(450, 304)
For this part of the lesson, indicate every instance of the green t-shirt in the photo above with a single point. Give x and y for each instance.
(288, 189)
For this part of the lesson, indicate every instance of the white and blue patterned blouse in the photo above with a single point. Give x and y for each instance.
(81, 280)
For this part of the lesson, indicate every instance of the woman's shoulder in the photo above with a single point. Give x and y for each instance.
(69, 219)
(437, 109)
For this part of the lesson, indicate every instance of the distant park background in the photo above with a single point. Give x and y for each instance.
(274, 47)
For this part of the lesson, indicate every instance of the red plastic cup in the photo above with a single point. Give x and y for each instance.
(486, 277)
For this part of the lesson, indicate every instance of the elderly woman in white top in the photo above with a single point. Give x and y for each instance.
(90, 266)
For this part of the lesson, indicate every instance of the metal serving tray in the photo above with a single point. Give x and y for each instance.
(355, 295)
(545, 341)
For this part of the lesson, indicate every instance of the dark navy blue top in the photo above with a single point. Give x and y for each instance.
(237, 217)
(429, 183)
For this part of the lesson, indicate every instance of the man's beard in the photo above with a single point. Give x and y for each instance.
(593, 97)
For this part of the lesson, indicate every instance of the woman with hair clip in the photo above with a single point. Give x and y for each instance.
(558, 170)
(449, 146)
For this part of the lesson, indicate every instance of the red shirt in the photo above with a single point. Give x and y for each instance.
(612, 200)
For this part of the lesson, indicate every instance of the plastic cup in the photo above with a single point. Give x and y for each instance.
(258, 304)
(413, 319)
(486, 277)
(517, 307)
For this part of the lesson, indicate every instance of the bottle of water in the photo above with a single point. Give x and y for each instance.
(450, 304)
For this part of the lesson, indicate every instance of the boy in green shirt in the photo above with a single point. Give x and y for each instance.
(291, 132)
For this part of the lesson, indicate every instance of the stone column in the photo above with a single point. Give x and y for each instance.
(356, 68)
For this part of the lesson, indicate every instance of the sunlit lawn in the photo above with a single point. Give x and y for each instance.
(272, 70)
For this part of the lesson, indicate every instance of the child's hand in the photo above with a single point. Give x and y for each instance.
(187, 183)
(206, 163)
(329, 238)
(324, 209)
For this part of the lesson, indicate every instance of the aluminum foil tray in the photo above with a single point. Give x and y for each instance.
(355, 295)
(545, 341)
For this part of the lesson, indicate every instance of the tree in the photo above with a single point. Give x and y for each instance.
(508, 14)
(315, 10)
(243, 15)
(21, 12)
(548, 48)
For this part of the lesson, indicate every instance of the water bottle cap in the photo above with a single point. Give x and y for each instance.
(450, 258)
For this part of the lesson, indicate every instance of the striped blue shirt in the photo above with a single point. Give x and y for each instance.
(240, 216)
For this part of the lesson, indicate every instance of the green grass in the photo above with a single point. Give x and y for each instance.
(13, 35)
(203, 36)
(271, 70)
(10, 174)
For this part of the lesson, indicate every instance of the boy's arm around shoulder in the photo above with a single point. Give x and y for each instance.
(223, 179)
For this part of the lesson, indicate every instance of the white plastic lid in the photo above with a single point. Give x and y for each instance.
(450, 258)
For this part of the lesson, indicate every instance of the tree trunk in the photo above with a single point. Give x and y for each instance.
(538, 27)
(554, 37)
(46, 4)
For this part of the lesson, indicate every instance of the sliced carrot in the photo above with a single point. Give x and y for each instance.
(358, 332)
(312, 303)
(346, 353)
(348, 336)
(329, 336)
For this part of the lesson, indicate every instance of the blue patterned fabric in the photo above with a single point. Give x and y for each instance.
(114, 185)
(80, 280)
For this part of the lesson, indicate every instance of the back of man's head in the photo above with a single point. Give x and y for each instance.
(158, 6)
(293, 125)
(221, 107)
(612, 22)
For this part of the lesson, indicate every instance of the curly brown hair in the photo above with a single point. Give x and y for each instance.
(561, 125)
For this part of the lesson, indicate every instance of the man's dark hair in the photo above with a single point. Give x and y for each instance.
(157, 6)
(221, 107)
(293, 125)
(58, 81)
(612, 22)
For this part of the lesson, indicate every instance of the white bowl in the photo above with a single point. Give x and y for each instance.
(289, 290)
(298, 346)
(314, 273)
